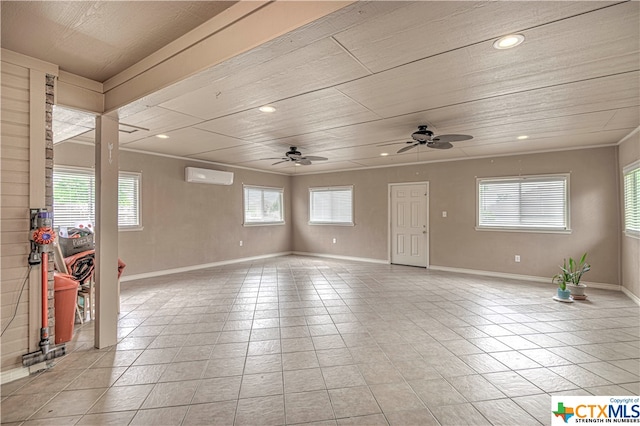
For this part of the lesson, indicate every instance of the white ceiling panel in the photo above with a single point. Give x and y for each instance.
(303, 114)
(313, 67)
(425, 28)
(184, 142)
(242, 153)
(609, 46)
(157, 120)
(541, 144)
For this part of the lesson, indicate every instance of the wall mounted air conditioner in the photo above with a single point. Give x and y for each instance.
(214, 177)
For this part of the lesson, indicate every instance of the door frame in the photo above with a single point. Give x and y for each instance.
(426, 219)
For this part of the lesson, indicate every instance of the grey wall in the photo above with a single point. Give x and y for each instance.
(454, 242)
(190, 224)
(629, 151)
(184, 223)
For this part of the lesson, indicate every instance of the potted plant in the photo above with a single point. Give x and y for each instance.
(577, 269)
(562, 279)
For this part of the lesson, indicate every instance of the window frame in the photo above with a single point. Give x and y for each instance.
(531, 229)
(246, 222)
(630, 169)
(91, 172)
(313, 190)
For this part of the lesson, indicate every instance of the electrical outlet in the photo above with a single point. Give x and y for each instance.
(335, 241)
(240, 243)
(517, 258)
(444, 214)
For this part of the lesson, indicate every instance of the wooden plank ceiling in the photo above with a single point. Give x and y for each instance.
(366, 76)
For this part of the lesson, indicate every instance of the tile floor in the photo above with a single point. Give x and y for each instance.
(301, 340)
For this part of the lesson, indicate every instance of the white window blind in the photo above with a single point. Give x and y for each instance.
(74, 197)
(263, 205)
(332, 205)
(524, 203)
(632, 199)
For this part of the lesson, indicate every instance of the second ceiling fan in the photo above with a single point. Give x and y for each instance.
(423, 136)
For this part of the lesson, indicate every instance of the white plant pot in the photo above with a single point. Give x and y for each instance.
(576, 290)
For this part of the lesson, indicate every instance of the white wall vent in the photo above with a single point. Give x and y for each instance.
(214, 177)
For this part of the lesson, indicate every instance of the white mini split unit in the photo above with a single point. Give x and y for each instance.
(213, 177)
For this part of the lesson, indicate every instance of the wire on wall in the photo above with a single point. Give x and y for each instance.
(15, 312)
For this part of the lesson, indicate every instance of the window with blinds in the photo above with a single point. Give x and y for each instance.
(263, 205)
(536, 203)
(74, 197)
(332, 206)
(631, 175)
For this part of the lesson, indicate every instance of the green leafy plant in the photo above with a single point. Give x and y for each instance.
(571, 272)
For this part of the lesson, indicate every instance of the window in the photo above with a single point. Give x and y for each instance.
(332, 206)
(263, 205)
(632, 199)
(74, 197)
(536, 203)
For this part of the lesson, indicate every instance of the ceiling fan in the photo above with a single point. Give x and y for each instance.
(296, 156)
(423, 136)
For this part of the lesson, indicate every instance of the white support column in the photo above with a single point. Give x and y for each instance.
(106, 272)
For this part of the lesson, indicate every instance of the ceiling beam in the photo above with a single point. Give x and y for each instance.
(238, 29)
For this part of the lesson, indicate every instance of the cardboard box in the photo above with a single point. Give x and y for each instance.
(71, 246)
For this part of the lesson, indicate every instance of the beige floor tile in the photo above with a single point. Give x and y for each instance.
(505, 412)
(309, 379)
(300, 360)
(122, 398)
(264, 384)
(267, 411)
(437, 393)
(140, 375)
(221, 367)
(547, 380)
(20, 407)
(116, 418)
(375, 374)
(168, 416)
(308, 407)
(263, 364)
(343, 376)
(217, 389)
(512, 384)
(581, 377)
(422, 417)
(536, 405)
(370, 420)
(179, 371)
(396, 397)
(352, 402)
(416, 369)
(459, 415)
(56, 421)
(68, 403)
(194, 353)
(171, 394)
(298, 344)
(215, 413)
(96, 378)
(475, 388)
(264, 347)
(229, 350)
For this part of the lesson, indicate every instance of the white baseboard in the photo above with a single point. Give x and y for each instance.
(197, 267)
(533, 278)
(20, 372)
(631, 295)
(335, 256)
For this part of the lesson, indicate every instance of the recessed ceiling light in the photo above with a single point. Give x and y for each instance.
(523, 137)
(384, 154)
(508, 41)
(267, 108)
(162, 136)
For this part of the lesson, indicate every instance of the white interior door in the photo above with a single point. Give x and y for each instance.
(409, 220)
